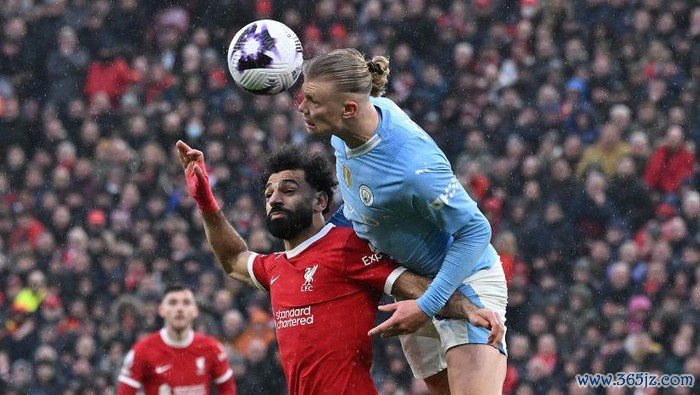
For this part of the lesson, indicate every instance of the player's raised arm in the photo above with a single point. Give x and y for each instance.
(229, 247)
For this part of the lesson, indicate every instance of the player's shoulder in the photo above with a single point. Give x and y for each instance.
(334, 246)
(328, 242)
(420, 156)
(386, 104)
(204, 339)
(150, 339)
(338, 232)
(351, 242)
(149, 342)
(339, 236)
(395, 119)
(401, 131)
(207, 342)
(266, 258)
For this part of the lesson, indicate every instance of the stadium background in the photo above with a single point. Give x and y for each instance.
(572, 123)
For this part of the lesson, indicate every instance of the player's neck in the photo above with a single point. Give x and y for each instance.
(316, 225)
(360, 128)
(178, 336)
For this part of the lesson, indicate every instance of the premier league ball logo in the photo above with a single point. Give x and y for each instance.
(265, 57)
(253, 46)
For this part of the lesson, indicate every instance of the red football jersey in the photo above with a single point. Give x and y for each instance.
(159, 365)
(324, 296)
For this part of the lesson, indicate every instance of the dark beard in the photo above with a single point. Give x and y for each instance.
(288, 227)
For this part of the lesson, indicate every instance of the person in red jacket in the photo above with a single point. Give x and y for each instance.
(176, 359)
(109, 74)
(670, 164)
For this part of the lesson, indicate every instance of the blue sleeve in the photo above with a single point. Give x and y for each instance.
(338, 218)
(439, 197)
(469, 245)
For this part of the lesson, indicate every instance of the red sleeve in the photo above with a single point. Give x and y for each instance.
(124, 73)
(653, 170)
(125, 389)
(91, 81)
(372, 269)
(221, 372)
(132, 373)
(257, 268)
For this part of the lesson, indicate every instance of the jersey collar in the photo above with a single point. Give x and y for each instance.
(301, 247)
(184, 343)
(364, 148)
(369, 144)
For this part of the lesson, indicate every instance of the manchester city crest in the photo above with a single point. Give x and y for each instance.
(366, 195)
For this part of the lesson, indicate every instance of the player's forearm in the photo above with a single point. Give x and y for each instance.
(227, 244)
(412, 286)
(409, 285)
(468, 247)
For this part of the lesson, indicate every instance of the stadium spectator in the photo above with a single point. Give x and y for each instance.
(605, 153)
(670, 164)
(108, 75)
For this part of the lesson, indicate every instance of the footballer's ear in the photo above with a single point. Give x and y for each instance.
(349, 108)
(321, 202)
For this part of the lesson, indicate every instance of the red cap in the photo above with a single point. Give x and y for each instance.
(263, 8)
(338, 32)
(218, 77)
(665, 210)
(312, 33)
(96, 217)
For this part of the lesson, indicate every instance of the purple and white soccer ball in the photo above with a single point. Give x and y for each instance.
(265, 57)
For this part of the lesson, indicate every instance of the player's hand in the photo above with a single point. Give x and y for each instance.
(192, 162)
(488, 319)
(407, 318)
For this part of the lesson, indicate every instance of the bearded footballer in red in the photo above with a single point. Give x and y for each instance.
(176, 360)
(325, 287)
(324, 301)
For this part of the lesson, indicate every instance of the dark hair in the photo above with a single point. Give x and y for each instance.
(176, 287)
(317, 170)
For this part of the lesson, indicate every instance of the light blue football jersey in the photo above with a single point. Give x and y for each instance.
(401, 195)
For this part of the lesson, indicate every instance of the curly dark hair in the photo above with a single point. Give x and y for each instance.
(317, 170)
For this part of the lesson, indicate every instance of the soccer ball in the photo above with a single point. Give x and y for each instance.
(265, 57)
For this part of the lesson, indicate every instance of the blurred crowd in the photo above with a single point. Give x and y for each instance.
(574, 124)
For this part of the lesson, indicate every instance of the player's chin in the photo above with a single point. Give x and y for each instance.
(314, 130)
(181, 323)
